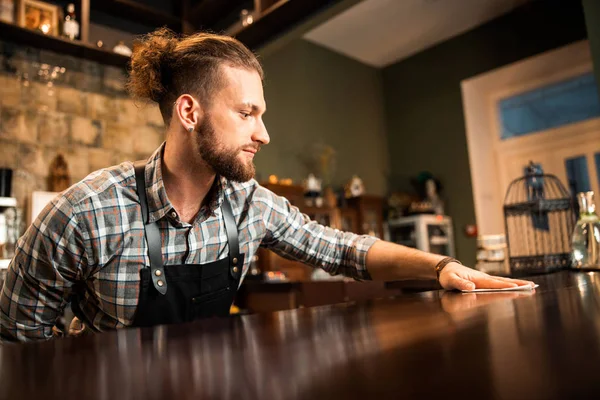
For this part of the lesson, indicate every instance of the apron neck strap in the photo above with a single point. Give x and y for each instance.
(151, 232)
(140, 183)
(232, 238)
(154, 240)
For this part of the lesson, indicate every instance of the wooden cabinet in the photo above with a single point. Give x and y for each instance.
(349, 220)
(294, 193)
(270, 261)
(297, 271)
(362, 215)
(324, 215)
(312, 294)
(369, 211)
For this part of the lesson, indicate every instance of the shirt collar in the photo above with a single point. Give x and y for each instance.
(158, 201)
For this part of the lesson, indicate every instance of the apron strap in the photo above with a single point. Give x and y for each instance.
(151, 232)
(232, 238)
(140, 183)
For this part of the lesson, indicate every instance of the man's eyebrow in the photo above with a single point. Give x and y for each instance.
(253, 107)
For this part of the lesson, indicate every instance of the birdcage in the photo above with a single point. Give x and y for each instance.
(539, 220)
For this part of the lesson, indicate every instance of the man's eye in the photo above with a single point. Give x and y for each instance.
(245, 115)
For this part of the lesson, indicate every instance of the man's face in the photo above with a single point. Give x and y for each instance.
(232, 131)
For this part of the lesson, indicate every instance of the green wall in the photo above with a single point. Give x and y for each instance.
(317, 96)
(423, 101)
(591, 10)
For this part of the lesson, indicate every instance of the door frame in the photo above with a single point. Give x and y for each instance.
(480, 98)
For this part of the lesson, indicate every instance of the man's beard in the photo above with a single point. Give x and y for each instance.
(224, 162)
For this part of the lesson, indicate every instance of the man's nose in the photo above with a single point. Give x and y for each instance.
(261, 135)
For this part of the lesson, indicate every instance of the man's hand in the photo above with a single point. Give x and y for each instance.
(391, 262)
(456, 276)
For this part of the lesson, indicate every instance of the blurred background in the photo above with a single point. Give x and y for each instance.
(403, 119)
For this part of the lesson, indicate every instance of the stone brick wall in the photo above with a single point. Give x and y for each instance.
(82, 113)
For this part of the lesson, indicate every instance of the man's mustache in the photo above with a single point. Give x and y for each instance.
(251, 147)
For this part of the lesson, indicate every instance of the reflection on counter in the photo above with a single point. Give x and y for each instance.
(538, 344)
(258, 296)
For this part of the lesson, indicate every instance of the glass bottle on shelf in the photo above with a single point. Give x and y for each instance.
(586, 236)
(7, 11)
(71, 26)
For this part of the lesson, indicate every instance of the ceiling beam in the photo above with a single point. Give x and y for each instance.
(144, 14)
(206, 13)
(183, 8)
(277, 19)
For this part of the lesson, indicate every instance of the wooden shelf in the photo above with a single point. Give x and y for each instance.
(258, 15)
(208, 12)
(8, 202)
(146, 15)
(26, 37)
(276, 19)
(280, 16)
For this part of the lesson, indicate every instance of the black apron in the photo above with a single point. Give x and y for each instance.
(182, 293)
(186, 292)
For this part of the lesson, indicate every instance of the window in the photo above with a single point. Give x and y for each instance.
(577, 174)
(550, 106)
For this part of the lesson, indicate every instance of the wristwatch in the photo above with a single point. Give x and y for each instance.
(442, 264)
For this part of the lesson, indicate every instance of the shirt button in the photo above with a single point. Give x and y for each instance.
(234, 260)
(159, 283)
(173, 215)
(235, 270)
(158, 272)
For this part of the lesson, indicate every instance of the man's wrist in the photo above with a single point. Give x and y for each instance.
(442, 264)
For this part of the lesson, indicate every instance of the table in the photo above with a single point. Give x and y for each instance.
(543, 344)
(276, 296)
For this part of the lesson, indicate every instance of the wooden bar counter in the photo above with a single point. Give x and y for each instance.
(512, 345)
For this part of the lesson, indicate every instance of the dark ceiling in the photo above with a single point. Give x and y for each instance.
(274, 18)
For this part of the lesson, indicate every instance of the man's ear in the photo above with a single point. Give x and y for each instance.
(188, 111)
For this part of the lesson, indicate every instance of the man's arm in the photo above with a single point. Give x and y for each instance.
(388, 261)
(293, 235)
(47, 262)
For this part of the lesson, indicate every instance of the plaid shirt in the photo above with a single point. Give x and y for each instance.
(92, 236)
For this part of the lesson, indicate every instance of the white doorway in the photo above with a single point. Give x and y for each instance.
(496, 161)
(553, 150)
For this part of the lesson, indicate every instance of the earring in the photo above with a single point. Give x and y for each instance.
(190, 130)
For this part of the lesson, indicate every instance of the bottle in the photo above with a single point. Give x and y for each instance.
(7, 11)
(586, 236)
(71, 26)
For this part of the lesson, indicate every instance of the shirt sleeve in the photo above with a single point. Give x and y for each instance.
(48, 260)
(293, 235)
